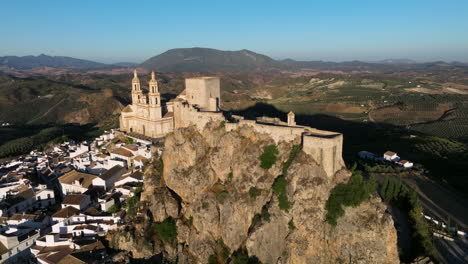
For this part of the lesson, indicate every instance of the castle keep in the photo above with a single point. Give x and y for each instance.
(199, 104)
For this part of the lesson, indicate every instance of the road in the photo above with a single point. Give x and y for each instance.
(439, 201)
(455, 252)
(442, 203)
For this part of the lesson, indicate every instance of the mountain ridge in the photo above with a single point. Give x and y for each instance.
(42, 60)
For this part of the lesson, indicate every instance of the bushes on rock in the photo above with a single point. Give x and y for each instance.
(242, 257)
(353, 194)
(395, 192)
(292, 155)
(221, 254)
(269, 156)
(279, 188)
(254, 192)
(113, 209)
(166, 230)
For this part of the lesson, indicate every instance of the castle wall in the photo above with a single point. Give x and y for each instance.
(324, 146)
(186, 115)
(326, 150)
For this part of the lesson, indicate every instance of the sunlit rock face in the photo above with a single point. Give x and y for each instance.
(204, 184)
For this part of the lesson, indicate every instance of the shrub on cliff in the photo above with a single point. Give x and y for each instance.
(254, 192)
(269, 156)
(166, 230)
(353, 194)
(292, 155)
(221, 254)
(279, 188)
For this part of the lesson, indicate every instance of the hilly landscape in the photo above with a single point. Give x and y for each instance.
(30, 62)
(412, 99)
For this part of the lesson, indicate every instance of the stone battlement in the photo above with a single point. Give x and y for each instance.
(324, 146)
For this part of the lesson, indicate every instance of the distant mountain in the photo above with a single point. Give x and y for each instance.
(204, 59)
(30, 62)
(125, 64)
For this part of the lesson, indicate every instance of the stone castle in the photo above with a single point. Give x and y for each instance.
(199, 104)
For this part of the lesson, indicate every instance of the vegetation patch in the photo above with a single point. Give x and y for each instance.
(221, 254)
(269, 156)
(291, 225)
(292, 155)
(352, 194)
(129, 140)
(254, 192)
(242, 257)
(166, 230)
(279, 188)
(393, 191)
(264, 215)
(113, 209)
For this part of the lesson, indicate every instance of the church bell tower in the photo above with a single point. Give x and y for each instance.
(136, 89)
(154, 96)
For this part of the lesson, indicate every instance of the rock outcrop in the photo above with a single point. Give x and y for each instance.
(212, 184)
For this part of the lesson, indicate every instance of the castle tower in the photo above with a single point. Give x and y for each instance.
(291, 119)
(136, 89)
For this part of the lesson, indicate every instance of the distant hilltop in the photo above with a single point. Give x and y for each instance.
(214, 60)
(30, 62)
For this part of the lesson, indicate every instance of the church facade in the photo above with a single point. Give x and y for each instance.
(151, 116)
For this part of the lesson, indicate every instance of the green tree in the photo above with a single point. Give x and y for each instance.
(269, 156)
(166, 230)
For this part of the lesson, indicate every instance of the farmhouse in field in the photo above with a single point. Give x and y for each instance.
(391, 156)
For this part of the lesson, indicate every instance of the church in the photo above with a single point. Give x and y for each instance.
(151, 116)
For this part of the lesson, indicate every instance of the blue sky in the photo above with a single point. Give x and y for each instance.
(113, 31)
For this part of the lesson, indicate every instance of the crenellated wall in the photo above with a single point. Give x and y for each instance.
(324, 146)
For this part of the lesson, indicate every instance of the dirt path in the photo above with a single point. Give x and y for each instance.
(47, 112)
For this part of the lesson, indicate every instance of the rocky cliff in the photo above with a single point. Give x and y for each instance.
(223, 203)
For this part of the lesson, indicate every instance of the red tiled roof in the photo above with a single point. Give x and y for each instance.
(66, 212)
(74, 199)
(122, 152)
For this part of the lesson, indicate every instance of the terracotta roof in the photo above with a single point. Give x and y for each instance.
(131, 147)
(110, 173)
(29, 193)
(55, 257)
(122, 152)
(93, 246)
(389, 153)
(66, 212)
(74, 199)
(48, 249)
(24, 216)
(70, 260)
(85, 179)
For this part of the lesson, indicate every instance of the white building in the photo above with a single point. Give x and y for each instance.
(406, 164)
(76, 182)
(132, 177)
(391, 156)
